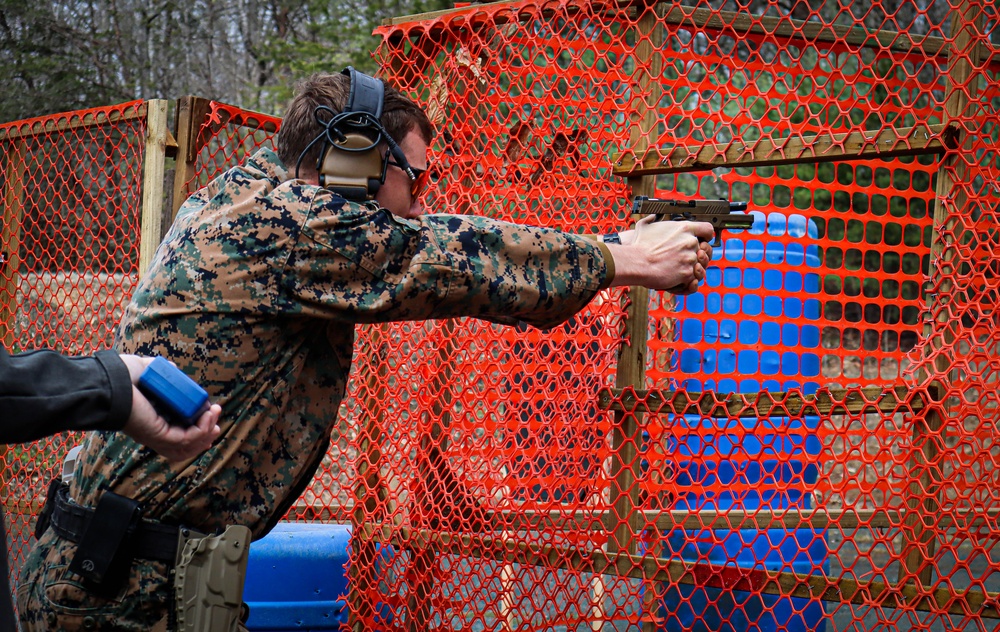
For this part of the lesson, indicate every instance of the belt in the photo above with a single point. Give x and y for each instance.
(151, 540)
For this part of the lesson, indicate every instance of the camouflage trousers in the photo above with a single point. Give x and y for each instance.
(51, 598)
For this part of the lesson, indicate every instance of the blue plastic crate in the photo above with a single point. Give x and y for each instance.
(297, 579)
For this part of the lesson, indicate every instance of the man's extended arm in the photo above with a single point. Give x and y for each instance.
(368, 266)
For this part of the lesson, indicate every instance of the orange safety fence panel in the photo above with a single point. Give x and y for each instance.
(491, 464)
(69, 256)
(837, 132)
(225, 136)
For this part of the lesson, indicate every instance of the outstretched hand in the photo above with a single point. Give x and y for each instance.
(150, 429)
(670, 256)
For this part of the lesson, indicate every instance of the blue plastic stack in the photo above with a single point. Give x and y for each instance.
(777, 455)
(296, 578)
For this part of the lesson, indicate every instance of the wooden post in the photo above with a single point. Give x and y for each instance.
(13, 171)
(927, 433)
(369, 492)
(191, 113)
(151, 221)
(15, 164)
(631, 371)
(435, 473)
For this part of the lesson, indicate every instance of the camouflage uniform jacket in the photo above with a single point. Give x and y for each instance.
(255, 292)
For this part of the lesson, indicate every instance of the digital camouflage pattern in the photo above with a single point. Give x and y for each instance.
(254, 293)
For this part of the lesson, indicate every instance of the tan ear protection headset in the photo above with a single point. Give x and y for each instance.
(351, 163)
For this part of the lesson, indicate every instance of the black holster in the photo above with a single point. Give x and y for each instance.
(45, 515)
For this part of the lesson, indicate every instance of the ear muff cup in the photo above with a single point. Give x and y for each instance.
(351, 173)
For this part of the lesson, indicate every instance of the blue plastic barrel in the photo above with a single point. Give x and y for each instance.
(297, 579)
(780, 454)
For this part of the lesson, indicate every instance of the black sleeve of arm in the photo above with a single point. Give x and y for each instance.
(43, 393)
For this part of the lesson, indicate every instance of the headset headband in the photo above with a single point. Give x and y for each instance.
(367, 93)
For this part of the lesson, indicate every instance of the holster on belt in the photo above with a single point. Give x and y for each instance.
(208, 579)
(209, 571)
(105, 552)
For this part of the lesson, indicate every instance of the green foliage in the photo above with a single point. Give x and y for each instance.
(42, 69)
(58, 56)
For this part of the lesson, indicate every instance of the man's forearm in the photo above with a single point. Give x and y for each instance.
(630, 265)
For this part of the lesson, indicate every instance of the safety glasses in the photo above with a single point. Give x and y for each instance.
(418, 184)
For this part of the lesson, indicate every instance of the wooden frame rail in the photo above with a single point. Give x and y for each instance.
(888, 143)
(841, 520)
(707, 19)
(870, 399)
(657, 569)
(151, 224)
(190, 115)
(626, 436)
(595, 519)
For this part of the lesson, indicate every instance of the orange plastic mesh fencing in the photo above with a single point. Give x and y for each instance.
(493, 494)
(225, 136)
(69, 254)
(492, 487)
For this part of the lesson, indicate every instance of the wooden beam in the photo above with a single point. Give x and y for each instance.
(626, 435)
(15, 164)
(309, 512)
(888, 143)
(787, 28)
(968, 603)
(820, 519)
(929, 433)
(708, 20)
(153, 201)
(594, 519)
(871, 399)
(190, 115)
(433, 16)
(57, 124)
(625, 521)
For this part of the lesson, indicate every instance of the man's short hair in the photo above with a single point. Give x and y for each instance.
(400, 115)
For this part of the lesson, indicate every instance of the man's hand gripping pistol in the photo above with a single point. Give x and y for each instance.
(718, 213)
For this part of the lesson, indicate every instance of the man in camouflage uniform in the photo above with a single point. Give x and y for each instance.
(255, 292)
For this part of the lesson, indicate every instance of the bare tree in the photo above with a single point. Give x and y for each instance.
(58, 55)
